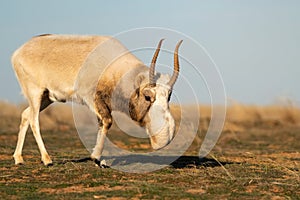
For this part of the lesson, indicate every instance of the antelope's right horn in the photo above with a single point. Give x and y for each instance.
(176, 66)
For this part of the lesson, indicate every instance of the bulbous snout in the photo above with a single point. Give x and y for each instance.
(160, 140)
(160, 128)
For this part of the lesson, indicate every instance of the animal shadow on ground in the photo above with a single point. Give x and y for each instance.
(177, 162)
(195, 161)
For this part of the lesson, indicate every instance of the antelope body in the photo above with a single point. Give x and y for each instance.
(49, 69)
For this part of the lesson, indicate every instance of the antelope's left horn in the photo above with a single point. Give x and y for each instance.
(176, 66)
(152, 66)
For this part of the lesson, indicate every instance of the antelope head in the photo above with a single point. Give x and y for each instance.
(149, 104)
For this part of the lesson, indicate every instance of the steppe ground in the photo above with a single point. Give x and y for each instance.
(256, 157)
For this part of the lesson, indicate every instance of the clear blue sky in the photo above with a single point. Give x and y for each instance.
(255, 44)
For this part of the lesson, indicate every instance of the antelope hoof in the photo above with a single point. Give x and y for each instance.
(47, 161)
(18, 159)
(48, 164)
(96, 161)
(103, 164)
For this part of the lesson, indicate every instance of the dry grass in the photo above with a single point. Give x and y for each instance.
(257, 157)
(239, 117)
(56, 117)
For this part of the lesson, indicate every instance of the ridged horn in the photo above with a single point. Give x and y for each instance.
(176, 66)
(152, 66)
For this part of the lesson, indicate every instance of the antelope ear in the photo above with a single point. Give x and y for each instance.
(139, 79)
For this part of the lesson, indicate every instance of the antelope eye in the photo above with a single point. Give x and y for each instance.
(148, 98)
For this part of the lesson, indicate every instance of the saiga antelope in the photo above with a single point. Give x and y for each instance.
(48, 68)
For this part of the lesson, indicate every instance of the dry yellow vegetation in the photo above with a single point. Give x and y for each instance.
(238, 116)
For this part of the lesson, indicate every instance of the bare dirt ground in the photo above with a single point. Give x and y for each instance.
(256, 157)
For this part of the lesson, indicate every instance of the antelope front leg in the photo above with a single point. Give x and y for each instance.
(98, 149)
(105, 121)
